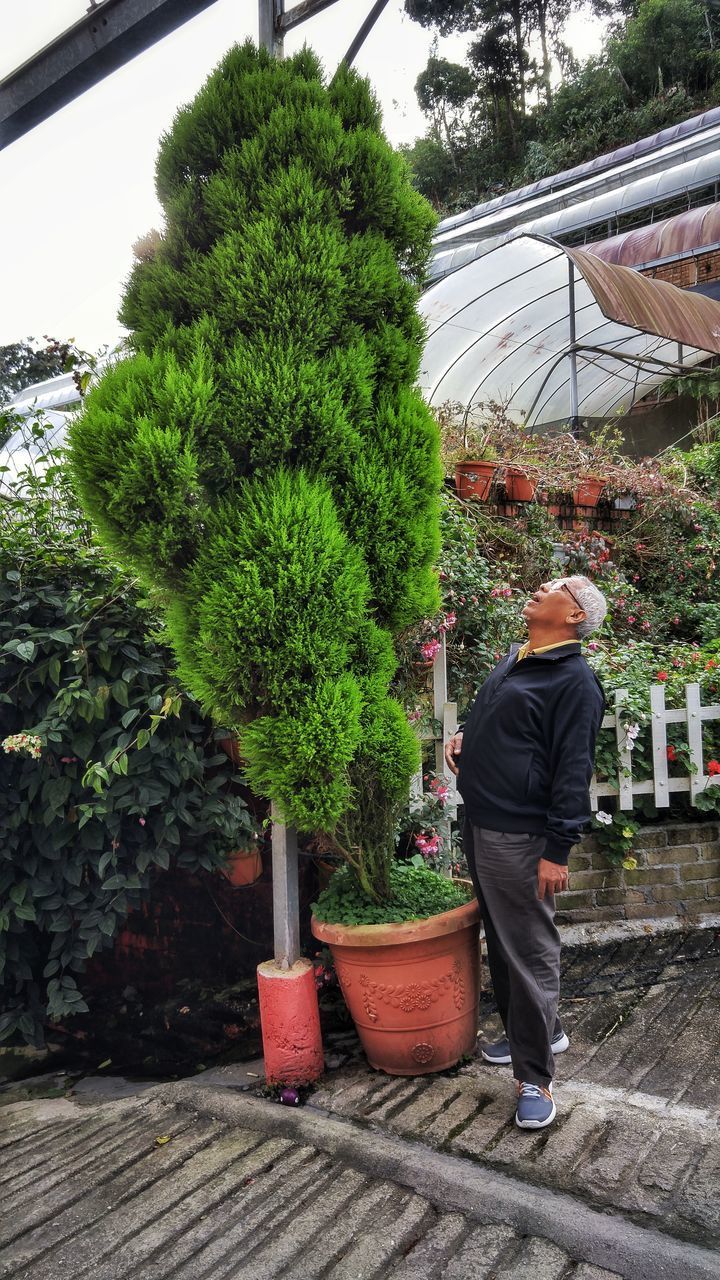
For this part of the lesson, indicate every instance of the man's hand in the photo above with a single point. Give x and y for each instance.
(552, 878)
(453, 747)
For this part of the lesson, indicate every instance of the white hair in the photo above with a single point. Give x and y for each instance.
(591, 601)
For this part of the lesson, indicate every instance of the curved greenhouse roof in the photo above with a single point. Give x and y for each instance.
(611, 160)
(600, 210)
(500, 330)
(693, 232)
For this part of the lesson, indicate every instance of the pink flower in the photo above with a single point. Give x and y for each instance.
(632, 618)
(430, 650)
(141, 821)
(593, 645)
(661, 675)
(713, 766)
(671, 754)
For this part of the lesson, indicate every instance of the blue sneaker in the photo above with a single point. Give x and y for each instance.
(499, 1053)
(535, 1107)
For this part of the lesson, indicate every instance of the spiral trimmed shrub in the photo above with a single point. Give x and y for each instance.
(263, 459)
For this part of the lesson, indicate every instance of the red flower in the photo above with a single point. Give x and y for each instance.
(661, 675)
(713, 766)
(671, 754)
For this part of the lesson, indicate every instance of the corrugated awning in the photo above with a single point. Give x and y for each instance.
(693, 231)
(499, 329)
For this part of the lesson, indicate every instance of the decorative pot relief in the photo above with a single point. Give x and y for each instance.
(410, 996)
(423, 1052)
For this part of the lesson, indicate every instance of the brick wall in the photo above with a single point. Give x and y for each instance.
(687, 272)
(678, 874)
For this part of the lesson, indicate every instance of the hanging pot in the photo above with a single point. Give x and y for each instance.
(412, 989)
(519, 485)
(474, 479)
(588, 490)
(243, 867)
(230, 746)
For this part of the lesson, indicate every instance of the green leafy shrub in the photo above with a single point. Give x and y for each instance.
(415, 894)
(263, 460)
(109, 774)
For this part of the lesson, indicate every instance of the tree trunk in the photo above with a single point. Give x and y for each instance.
(516, 14)
(541, 11)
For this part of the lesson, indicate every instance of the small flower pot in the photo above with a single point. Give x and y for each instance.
(519, 486)
(243, 867)
(230, 746)
(587, 491)
(474, 479)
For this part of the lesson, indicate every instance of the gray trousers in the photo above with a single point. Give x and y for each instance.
(522, 942)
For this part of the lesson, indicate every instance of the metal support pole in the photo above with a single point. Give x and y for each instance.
(680, 354)
(364, 32)
(270, 36)
(286, 897)
(574, 418)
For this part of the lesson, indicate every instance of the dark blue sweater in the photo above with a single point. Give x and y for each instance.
(528, 747)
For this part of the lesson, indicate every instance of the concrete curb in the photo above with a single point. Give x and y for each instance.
(597, 933)
(482, 1194)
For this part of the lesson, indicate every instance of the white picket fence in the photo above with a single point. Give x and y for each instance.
(624, 787)
(692, 715)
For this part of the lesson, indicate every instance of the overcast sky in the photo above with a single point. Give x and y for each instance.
(78, 189)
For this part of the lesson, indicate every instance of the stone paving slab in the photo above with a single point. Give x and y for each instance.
(248, 1190)
(223, 1200)
(638, 1125)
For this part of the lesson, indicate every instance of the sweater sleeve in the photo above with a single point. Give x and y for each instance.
(573, 732)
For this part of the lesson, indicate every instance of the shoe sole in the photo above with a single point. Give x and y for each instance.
(536, 1124)
(562, 1044)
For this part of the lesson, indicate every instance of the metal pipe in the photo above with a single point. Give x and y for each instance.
(364, 32)
(270, 13)
(572, 353)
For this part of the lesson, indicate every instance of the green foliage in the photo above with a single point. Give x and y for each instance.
(263, 461)
(23, 363)
(666, 43)
(415, 894)
(659, 65)
(615, 834)
(109, 774)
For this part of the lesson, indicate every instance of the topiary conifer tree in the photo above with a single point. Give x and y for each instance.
(263, 460)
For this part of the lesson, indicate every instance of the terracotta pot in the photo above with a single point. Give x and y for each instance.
(326, 870)
(474, 479)
(519, 486)
(412, 989)
(244, 866)
(588, 490)
(230, 746)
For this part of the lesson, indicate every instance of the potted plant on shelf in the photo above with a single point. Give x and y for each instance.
(586, 492)
(243, 833)
(294, 531)
(477, 470)
(520, 482)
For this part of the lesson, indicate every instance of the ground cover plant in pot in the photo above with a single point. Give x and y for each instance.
(263, 460)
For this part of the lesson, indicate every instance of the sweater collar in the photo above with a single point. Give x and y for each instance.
(551, 655)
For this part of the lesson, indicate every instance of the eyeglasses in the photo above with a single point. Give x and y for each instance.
(565, 587)
(562, 586)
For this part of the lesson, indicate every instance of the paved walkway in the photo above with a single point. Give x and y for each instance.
(379, 1178)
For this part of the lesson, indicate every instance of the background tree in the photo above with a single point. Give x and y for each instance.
(263, 460)
(660, 64)
(23, 363)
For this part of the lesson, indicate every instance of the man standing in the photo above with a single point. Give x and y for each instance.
(524, 760)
